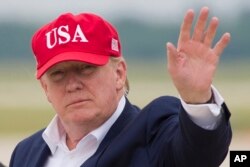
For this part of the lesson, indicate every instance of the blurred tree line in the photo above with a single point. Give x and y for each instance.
(139, 39)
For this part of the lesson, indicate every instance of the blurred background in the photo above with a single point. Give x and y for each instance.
(144, 26)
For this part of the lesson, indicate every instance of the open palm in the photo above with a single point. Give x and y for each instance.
(193, 63)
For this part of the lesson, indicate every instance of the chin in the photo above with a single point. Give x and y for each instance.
(82, 115)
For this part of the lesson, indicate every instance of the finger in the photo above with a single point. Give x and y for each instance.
(171, 53)
(203, 36)
(201, 24)
(222, 43)
(211, 31)
(186, 27)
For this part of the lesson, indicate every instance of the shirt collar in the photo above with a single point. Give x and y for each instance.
(101, 131)
(54, 132)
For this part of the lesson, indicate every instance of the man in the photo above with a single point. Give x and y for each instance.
(83, 74)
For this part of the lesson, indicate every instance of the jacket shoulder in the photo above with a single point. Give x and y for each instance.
(35, 138)
(27, 148)
(163, 103)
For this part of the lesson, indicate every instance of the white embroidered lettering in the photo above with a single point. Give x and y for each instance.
(62, 36)
(79, 34)
(48, 38)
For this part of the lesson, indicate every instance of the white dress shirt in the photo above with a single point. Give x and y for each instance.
(55, 137)
(206, 116)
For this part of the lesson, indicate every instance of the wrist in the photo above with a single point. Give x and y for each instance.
(202, 98)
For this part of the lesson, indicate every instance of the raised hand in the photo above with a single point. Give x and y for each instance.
(193, 63)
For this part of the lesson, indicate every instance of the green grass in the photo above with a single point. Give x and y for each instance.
(240, 119)
(24, 120)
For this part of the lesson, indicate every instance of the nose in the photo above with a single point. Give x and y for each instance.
(74, 83)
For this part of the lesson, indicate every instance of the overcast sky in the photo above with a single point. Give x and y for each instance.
(149, 10)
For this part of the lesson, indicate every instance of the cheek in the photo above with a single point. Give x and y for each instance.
(55, 96)
(103, 88)
(108, 85)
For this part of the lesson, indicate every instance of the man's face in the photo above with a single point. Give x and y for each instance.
(83, 93)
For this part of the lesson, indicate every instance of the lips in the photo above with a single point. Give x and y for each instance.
(78, 101)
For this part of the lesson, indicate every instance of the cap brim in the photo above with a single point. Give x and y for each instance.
(90, 58)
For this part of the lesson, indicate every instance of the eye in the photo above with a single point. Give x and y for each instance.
(57, 75)
(87, 69)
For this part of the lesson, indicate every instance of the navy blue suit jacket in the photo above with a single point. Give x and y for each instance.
(160, 135)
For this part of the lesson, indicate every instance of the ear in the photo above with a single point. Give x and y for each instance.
(121, 74)
(45, 88)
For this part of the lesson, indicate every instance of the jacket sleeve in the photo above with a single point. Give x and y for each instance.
(174, 140)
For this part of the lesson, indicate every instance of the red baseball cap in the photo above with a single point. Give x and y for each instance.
(84, 37)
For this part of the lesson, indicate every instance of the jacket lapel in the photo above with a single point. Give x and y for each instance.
(40, 155)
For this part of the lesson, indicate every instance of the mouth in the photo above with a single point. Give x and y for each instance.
(77, 102)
